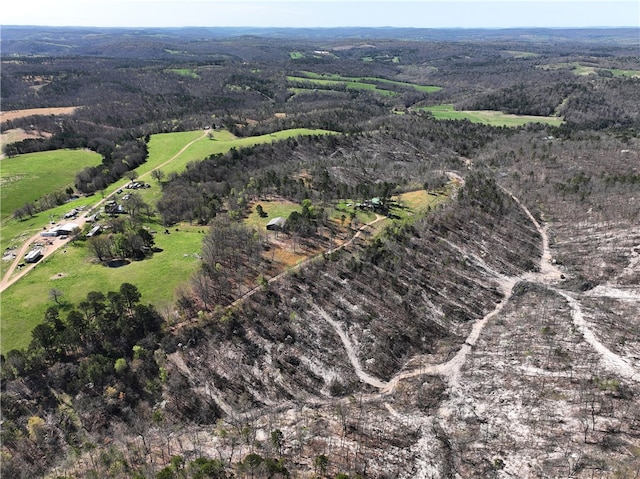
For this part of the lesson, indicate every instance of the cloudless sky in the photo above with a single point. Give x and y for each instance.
(323, 13)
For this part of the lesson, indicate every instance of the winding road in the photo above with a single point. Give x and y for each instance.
(549, 276)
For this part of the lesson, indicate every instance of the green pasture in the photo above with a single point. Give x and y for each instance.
(580, 69)
(521, 54)
(349, 85)
(187, 72)
(625, 73)
(488, 117)
(165, 146)
(25, 178)
(75, 273)
(361, 83)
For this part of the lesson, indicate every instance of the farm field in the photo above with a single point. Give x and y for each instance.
(359, 83)
(75, 273)
(488, 117)
(26, 178)
(172, 152)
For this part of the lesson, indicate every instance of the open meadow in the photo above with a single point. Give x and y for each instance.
(374, 84)
(75, 273)
(26, 178)
(487, 117)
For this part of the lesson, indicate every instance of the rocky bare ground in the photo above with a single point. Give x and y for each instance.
(494, 366)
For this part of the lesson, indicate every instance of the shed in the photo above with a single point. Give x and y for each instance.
(50, 233)
(94, 231)
(67, 229)
(276, 224)
(33, 256)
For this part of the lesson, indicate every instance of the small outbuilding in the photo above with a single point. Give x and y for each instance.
(33, 256)
(276, 224)
(94, 231)
(67, 229)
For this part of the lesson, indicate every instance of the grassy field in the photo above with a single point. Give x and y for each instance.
(625, 73)
(521, 54)
(26, 178)
(74, 273)
(488, 117)
(358, 83)
(187, 72)
(581, 69)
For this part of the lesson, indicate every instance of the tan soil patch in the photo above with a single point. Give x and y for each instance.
(19, 134)
(14, 114)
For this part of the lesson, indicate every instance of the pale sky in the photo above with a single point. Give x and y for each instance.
(323, 13)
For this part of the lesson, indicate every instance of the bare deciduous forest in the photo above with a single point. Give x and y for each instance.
(494, 335)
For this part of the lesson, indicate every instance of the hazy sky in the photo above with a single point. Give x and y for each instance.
(322, 13)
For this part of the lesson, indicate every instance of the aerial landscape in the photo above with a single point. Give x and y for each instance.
(361, 244)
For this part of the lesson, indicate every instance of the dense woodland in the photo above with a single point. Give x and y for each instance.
(266, 388)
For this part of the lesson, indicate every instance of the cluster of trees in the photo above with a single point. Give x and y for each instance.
(128, 244)
(123, 236)
(100, 353)
(50, 200)
(116, 163)
(231, 260)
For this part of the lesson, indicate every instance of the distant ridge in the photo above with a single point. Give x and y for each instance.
(63, 41)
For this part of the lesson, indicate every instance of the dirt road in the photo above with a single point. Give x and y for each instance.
(10, 278)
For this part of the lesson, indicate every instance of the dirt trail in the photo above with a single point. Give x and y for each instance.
(9, 278)
(610, 360)
(549, 275)
(351, 352)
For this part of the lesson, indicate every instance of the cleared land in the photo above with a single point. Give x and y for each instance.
(75, 274)
(358, 83)
(14, 114)
(487, 117)
(26, 178)
(74, 271)
(581, 69)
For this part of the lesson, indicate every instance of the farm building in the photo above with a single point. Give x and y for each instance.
(276, 224)
(50, 233)
(33, 256)
(94, 231)
(67, 229)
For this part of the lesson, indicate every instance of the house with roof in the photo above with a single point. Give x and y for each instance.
(277, 224)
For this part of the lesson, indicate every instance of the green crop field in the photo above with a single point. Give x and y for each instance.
(25, 178)
(488, 117)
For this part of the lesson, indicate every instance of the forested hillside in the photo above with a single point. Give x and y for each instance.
(446, 299)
